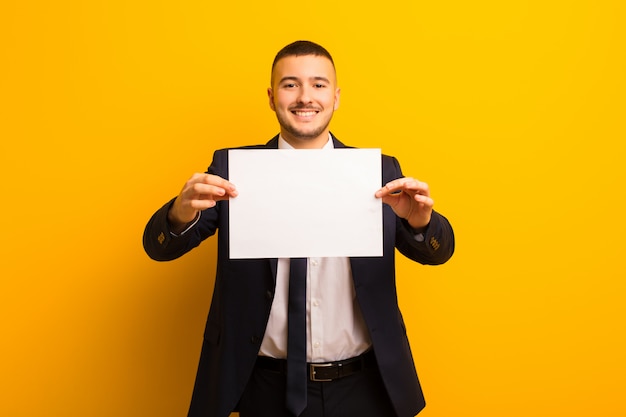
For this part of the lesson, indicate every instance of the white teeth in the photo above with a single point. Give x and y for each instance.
(305, 113)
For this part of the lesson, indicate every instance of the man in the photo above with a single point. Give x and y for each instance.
(358, 355)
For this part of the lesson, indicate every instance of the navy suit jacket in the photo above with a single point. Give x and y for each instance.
(244, 290)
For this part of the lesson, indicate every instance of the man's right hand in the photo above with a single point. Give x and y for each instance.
(201, 191)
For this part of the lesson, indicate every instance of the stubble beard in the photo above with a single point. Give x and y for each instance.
(300, 134)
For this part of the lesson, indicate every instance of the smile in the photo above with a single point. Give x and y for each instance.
(302, 113)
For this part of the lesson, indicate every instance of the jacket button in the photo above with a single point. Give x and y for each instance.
(269, 295)
(254, 340)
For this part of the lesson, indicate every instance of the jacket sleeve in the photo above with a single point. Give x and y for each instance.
(158, 240)
(431, 247)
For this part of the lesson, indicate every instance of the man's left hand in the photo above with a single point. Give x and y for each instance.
(409, 199)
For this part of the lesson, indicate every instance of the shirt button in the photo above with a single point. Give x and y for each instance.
(314, 262)
(316, 345)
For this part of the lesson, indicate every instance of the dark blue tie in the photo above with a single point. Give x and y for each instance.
(296, 338)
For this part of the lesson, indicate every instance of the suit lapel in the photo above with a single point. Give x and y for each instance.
(273, 143)
(337, 143)
(273, 266)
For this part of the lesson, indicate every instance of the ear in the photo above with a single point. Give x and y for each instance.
(337, 94)
(270, 95)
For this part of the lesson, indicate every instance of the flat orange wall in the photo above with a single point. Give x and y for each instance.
(512, 111)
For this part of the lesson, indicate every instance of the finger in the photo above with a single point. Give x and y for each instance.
(406, 184)
(390, 187)
(221, 183)
(209, 187)
(415, 187)
(390, 199)
(425, 200)
(202, 204)
(201, 191)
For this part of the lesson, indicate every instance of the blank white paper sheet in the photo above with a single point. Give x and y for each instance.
(305, 203)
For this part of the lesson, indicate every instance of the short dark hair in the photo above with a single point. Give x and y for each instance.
(299, 48)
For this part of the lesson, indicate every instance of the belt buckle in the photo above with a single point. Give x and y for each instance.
(312, 371)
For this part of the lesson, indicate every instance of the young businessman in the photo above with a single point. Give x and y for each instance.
(352, 336)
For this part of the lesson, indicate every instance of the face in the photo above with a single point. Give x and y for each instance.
(304, 95)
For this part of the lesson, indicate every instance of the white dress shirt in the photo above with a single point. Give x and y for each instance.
(335, 327)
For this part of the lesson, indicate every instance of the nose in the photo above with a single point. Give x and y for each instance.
(305, 95)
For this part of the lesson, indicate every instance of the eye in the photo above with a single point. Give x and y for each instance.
(289, 85)
(319, 85)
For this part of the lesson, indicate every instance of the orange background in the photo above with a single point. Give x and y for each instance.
(512, 111)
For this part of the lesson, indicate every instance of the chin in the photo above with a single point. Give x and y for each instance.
(307, 135)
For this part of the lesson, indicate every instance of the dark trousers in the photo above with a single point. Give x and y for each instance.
(361, 394)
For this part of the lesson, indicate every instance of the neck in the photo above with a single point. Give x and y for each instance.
(306, 143)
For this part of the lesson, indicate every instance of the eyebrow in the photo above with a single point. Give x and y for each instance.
(294, 78)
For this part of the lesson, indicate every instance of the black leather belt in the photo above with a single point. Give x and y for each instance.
(323, 372)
